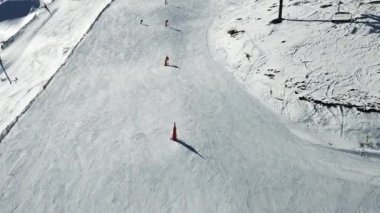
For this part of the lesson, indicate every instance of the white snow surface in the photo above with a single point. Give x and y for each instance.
(38, 51)
(97, 139)
(308, 57)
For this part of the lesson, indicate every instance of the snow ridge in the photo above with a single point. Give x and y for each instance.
(310, 69)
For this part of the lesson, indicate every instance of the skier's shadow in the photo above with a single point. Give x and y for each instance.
(189, 147)
(177, 67)
(175, 29)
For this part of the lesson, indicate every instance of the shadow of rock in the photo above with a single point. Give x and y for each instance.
(13, 9)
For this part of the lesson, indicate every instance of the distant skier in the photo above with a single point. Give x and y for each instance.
(166, 23)
(166, 2)
(166, 64)
(142, 23)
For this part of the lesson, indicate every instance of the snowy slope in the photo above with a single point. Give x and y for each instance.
(97, 140)
(38, 51)
(308, 69)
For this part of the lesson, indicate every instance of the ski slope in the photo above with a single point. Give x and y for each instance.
(97, 139)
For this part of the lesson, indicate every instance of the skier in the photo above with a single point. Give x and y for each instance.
(141, 21)
(166, 23)
(166, 61)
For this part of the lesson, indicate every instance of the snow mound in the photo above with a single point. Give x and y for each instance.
(319, 66)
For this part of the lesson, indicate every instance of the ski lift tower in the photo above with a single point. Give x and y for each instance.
(279, 19)
(5, 72)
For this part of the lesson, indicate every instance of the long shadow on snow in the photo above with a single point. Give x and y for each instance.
(12, 9)
(189, 147)
(371, 20)
(175, 29)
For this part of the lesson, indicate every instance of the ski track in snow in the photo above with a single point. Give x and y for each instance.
(97, 139)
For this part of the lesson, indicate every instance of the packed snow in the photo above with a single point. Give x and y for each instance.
(97, 139)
